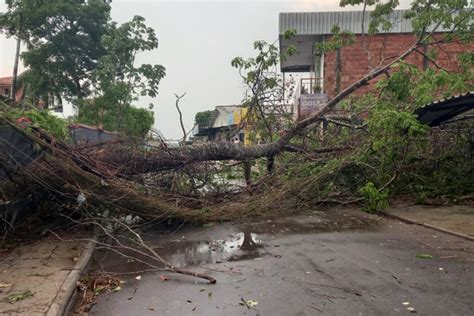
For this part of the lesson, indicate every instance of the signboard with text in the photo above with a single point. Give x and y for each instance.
(311, 103)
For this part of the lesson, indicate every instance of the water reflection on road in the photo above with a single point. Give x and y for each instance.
(239, 246)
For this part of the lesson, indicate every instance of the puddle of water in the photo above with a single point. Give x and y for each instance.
(241, 246)
(184, 253)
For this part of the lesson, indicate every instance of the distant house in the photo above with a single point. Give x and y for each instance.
(225, 123)
(325, 75)
(82, 134)
(6, 86)
(232, 123)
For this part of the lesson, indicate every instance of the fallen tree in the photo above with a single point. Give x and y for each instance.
(351, 163)
(216, 151)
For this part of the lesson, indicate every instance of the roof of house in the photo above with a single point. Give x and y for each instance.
(94, 128)
(443, 110)
(6, 81)
(321, 23)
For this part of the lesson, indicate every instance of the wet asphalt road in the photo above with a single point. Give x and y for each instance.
(342, 264)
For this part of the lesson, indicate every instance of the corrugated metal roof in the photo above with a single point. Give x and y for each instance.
(320, 23)
(443, 110)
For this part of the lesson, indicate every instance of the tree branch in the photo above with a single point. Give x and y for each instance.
(178, 98)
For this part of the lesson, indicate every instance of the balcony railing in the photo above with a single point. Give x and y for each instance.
(311, 85)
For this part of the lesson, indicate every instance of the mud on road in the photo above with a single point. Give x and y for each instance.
(334, 262)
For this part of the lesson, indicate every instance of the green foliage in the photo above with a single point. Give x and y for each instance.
(375, 200)
(424, 256)
(203, 118)
(339, 39)
(41, 118)
(119, 82)
(414, 87)
(75, 51)
(117, 69)
(265, 86)
(63, 41)
(128, 120)
(18, 296)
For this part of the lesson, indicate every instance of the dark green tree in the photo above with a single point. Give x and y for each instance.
(119, 81)
(63, 40)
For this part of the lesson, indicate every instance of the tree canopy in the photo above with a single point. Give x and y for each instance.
(74, 51)
(63, 40)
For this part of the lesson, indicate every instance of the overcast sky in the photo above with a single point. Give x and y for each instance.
(198, 40)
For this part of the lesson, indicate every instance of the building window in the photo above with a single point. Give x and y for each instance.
(6, 92)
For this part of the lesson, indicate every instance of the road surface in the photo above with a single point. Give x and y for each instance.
(336, 262)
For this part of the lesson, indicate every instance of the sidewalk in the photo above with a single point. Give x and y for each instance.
(453, 219)
(39, 278)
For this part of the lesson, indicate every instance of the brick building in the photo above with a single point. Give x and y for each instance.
(325, 75)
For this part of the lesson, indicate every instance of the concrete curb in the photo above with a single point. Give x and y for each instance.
(64, 298)
(443, 230)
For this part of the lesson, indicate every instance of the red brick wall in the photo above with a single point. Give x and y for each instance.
(355, 60)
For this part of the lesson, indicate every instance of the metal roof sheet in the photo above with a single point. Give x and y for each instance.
(321, 23)
(441, 111)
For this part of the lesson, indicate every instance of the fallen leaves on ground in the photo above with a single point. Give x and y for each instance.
(92, 286)
(409, 308)
(18, 296)
(248, 303)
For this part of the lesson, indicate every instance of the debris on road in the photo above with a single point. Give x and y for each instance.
(424, 256)
(18, 296)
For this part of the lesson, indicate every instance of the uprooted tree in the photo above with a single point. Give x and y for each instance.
(350, 160)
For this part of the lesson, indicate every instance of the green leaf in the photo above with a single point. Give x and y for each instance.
(18, 296)
(424, 256)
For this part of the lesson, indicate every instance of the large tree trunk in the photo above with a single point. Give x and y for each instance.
(172, 158)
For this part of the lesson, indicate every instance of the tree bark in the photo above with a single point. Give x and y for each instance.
(17, 60)
(247, 172)
(178, 98)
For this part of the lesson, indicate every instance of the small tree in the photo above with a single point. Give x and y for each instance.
(119, 82)
(265, 98)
